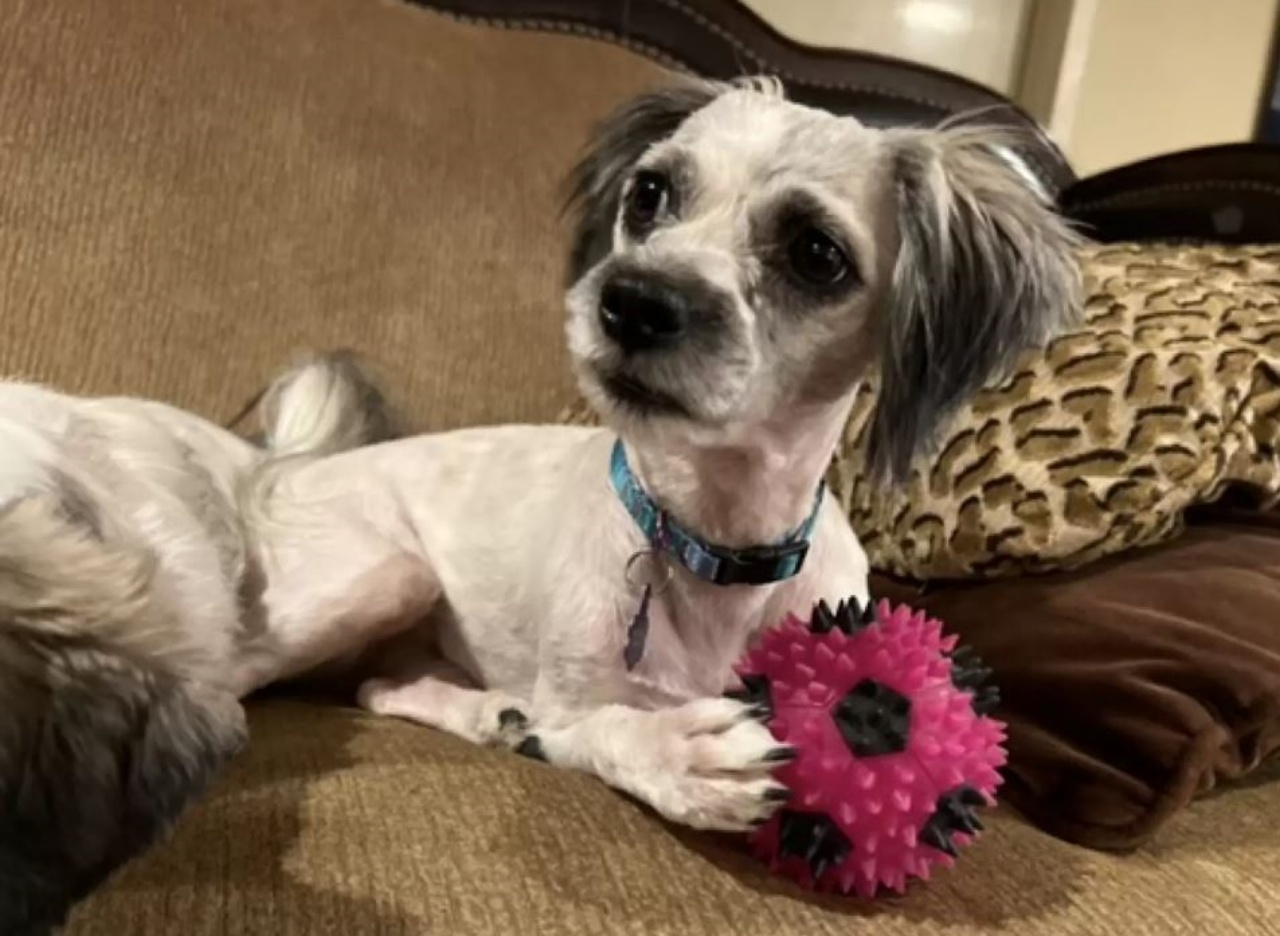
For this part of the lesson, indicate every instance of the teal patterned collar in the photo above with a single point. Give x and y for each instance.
(720, 565)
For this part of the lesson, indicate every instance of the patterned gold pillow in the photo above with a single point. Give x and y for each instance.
(1167, 395)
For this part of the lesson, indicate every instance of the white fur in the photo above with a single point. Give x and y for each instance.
(520, 531)
(477, 580)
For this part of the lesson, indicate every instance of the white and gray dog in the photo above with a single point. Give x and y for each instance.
(742, 263)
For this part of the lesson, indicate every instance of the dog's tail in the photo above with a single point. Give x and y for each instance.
(103, 743)
(327, 404)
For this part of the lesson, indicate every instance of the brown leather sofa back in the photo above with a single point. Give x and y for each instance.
(724, 39)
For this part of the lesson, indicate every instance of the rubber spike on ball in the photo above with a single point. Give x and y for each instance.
(892, 771)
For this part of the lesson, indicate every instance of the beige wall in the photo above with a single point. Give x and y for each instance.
(980, 39)
(1114, 80)
(1164, 75)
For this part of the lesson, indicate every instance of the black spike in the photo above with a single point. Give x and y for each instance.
(936, 838)
(961, 818)
(849, 617)
(970, 674)
(822, 621)
(818, 866)
(873, 719)
(814, 838)
(755, 693)
(955, 812)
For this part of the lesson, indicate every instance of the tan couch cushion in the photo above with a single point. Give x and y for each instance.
(336, 824)
(193, 192)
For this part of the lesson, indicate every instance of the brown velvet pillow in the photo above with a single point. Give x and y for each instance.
(1136, 684)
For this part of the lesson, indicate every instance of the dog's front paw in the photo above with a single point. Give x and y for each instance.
(709, 765)
(513, 727)
(483, 717)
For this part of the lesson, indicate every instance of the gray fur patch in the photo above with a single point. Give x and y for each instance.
(985, 269)
(99, 755)
(382, 422)
(78, 508)
(597, 182)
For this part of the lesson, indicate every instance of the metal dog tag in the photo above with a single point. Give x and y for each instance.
(638, 630)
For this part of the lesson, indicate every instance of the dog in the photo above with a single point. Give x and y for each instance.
(740, 265)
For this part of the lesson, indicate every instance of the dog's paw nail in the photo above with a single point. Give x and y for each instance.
(781, 755)
(531, 747)
(777, 795)
(761, 711)
(513, 718)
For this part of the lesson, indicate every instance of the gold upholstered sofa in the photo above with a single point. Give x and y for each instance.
(192, 191)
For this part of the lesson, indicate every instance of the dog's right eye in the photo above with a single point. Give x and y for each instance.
(816, 259)
(648, 198)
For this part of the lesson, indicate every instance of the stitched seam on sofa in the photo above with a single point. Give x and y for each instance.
(563, 27)
(1135, 194)
(594, 32)
(759, 59)
(1042, 169)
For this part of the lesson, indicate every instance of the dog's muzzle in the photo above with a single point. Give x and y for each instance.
(643, 312)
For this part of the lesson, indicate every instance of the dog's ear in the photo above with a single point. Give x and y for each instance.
(596, 182)
(985, 269)
(99, 755)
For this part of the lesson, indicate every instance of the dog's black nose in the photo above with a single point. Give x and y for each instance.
(643, 313)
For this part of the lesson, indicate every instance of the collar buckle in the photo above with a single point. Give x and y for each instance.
(761, 565)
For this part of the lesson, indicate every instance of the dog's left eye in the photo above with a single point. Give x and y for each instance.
(650, 193)
(817, 259)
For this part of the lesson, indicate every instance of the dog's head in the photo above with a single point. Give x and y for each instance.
(740, 260)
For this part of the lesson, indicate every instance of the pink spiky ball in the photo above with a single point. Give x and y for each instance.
(895, 749)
